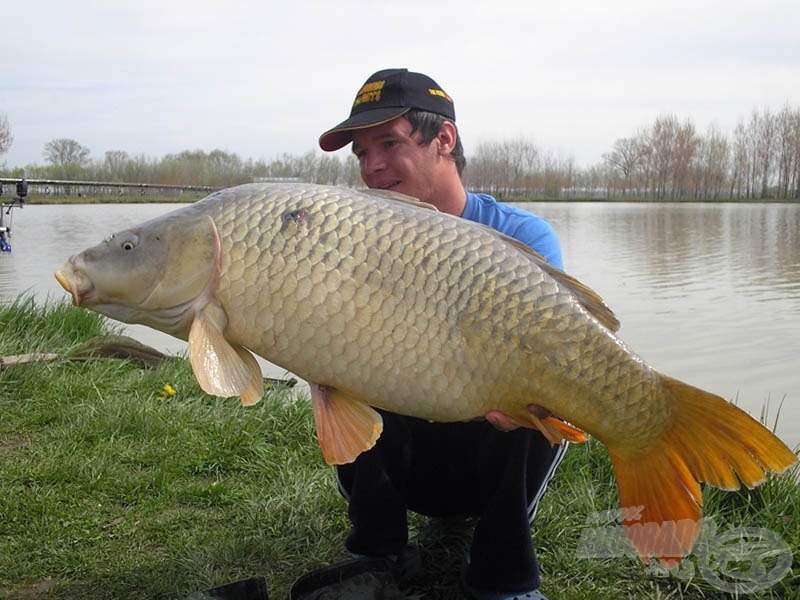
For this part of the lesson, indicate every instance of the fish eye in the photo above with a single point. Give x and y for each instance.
(128, 244)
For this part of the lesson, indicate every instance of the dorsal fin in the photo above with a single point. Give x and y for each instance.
(587, 297)
(398, 197)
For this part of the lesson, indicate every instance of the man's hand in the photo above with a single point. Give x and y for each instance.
(503, 422)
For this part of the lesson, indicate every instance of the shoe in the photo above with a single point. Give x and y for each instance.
(476, 594)
(404, 566)
(254, 588)
(473, 593)
(363, 572)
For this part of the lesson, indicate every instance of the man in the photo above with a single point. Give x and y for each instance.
(403, 132)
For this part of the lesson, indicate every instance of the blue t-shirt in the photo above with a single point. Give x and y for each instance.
(519, 224)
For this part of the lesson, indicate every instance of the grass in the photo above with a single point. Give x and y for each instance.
(113, 489)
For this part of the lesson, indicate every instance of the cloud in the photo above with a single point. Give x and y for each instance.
(259, 79)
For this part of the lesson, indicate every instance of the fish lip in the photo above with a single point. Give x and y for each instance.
(79, 294)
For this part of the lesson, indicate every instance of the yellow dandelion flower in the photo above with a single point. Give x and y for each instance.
(166, 392)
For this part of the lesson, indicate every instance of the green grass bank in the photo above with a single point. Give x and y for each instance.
(114, 489)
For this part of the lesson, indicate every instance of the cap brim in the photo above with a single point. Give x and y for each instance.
(342, 134)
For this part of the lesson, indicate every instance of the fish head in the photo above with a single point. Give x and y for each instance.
(157, 274)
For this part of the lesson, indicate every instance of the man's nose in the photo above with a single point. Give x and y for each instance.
(373, 163)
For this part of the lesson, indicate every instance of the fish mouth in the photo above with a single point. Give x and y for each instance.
(69, 282)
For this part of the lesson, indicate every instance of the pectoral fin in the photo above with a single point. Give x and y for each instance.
(346, 427)
(221, 368)
(255, 390)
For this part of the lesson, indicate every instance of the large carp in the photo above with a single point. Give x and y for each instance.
(378, 300)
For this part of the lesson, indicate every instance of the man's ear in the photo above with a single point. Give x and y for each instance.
(447, 138)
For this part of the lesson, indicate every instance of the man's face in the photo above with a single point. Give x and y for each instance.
(391, 158)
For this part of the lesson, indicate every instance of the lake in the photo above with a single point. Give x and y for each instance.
(707, 293)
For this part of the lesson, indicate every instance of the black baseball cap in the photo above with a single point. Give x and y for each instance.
(387, 95)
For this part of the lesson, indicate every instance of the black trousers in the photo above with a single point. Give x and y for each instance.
(453, 469)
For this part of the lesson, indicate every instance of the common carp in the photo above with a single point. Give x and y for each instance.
(378, 300)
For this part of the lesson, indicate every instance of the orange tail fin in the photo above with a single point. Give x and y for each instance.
(708, 440)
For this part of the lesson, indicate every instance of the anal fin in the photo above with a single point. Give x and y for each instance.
(555, 430)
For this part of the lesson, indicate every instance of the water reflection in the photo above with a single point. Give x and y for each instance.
(737, 249)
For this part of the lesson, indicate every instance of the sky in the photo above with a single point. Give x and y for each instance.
(264, 78)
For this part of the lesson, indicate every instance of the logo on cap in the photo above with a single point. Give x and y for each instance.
(369, 92)
(440, 93)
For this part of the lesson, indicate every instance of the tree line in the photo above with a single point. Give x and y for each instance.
(667, 160)
(670, 160)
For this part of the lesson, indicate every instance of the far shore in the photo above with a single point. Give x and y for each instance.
(189, 197)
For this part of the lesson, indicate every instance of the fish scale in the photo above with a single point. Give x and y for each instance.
(378, 300)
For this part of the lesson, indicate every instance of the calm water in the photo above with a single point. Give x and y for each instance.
(709, 294)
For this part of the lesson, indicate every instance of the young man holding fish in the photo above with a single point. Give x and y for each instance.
(403, 132)
(387, 303)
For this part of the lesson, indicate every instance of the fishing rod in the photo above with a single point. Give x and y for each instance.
(5, 211)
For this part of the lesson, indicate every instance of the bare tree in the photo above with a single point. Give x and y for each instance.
(683, 156)
(521, 155)
(329, 170)
(351, 171)
(669, 153)
(503, 168)
(115, 163)
(788, 124)
(6, 139)
(65, 152)
(712, 162)
(625, 157)
(662, 143)
(557, 175)
(765, 150)
(741, 162)
(793, 187)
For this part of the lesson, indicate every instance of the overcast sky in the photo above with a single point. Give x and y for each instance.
(262, 78)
